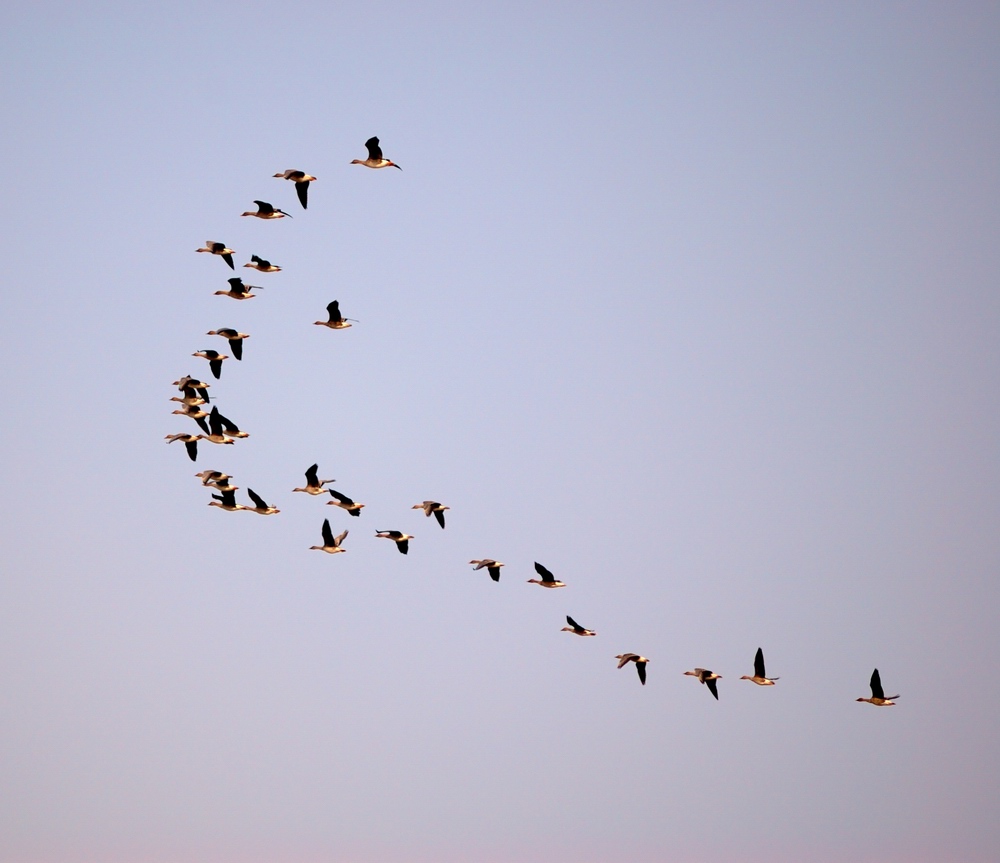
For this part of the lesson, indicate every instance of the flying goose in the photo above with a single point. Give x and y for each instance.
(262, 265)
(344, 502)
(314, 485)
(301, 180)
(707, 677)
(214, 248)
(337, 320)
(226, 501)
(432, 507)
(195, 412)
(216, 479)
(190, 443)
(401, 539)
(331, 543)
(492, 566)
(547, 578)
(576, 629)
(216, 433)
(192, 388)
(189, 401)
(214, 360)
(239, 291)
(374, 159)
(640, 664)
(759, 677)
(878, 695)
(260, 507)
(266, 211)
(235, 340)
(229, 428)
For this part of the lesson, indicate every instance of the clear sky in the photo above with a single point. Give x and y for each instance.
(695, 303)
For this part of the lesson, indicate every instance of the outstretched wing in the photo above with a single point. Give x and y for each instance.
(439, 515)
(876, 683)
(403, 546)
(374, 150)
(713, 688)
(257, 499)
(333, 309)
(328, 540)
(312, 479)
(543, 572)
(343, 498)
(302, 189)
(641, 668)
(758, 664)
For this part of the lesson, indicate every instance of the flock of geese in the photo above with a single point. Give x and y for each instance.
(218, 429)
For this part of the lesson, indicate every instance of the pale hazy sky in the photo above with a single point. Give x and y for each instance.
(696, 304)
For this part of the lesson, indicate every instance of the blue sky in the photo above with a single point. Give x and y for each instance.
(695, 304)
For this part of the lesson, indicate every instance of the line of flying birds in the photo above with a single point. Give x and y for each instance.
(218, 429)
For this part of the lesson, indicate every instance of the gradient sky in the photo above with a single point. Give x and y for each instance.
(695, 303)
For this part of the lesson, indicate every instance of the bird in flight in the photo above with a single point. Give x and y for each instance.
(266, 211)
(491, 566)
(214, 248)
(301, 180)
(759, 677)
(640, 664)
(547, 578)
(878, 694)
(374, 159)
(576, 629)
(707, 677)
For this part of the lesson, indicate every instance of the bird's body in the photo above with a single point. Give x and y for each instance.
(432, 507)
(344, 502)
(192, 389)
(759, 677)
(235, 339)
(216, 479)
(301, 180)
(262, 266)
(216, 433)
(260, 507)
(189, 401)
(640, 664)
(238, 291)
(266, 211)
(375, 159)
(214, 360)
(196, 413)
(229, 428)
(337, 320)
(219, 249)
(547, 578)
(492, 566)
(401, 539)
(879, 698)
(576, 629)
(190, 442)
(226, 501)
(314, 485)
(708, 678)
